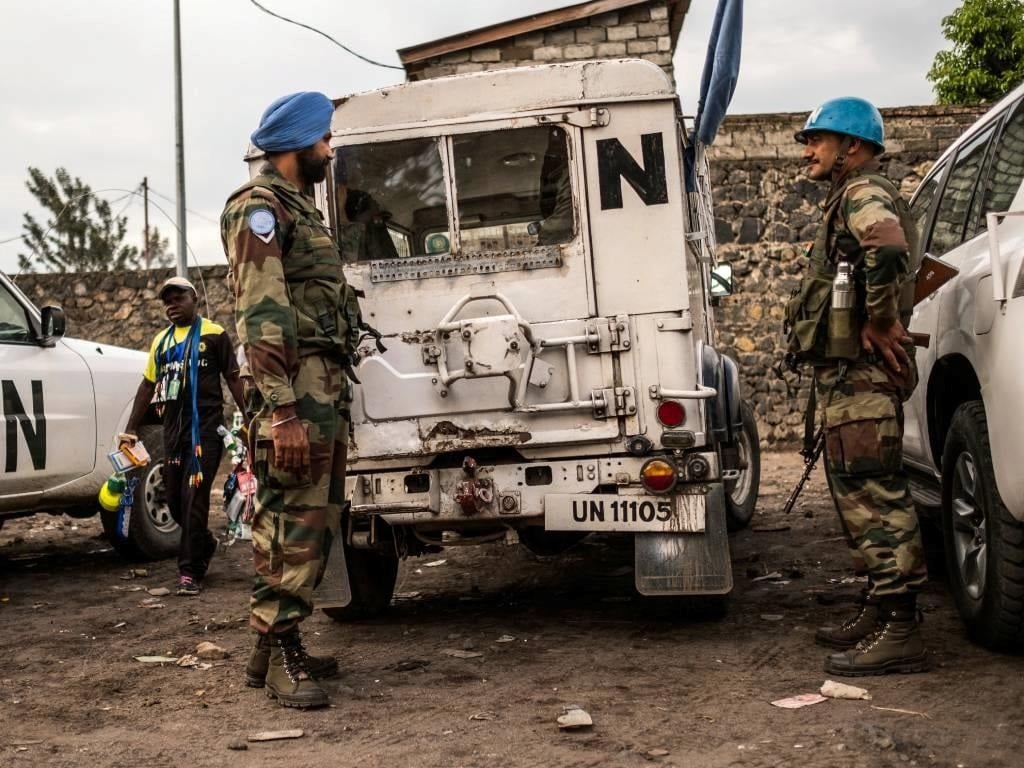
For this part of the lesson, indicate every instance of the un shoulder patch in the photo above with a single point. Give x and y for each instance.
(262, 224)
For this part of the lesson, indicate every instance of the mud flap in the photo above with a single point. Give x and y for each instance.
(687, 563)
(334, 590)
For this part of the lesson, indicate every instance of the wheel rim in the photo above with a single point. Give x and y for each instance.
(156, 501)
(739, 488)
(969, 540)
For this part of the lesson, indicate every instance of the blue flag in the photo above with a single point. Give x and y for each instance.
(721, 69)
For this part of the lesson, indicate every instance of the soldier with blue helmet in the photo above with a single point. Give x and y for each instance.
(847, 321)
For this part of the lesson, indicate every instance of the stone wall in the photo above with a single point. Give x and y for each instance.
(123, 308)
(640, 31)
(765, 216)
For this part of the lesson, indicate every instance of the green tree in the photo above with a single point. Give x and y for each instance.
(159, 254)
(987, 59)
(81, 232)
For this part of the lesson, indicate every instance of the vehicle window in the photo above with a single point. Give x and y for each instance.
(388, 197)
(513, 189)
(14, 327)
(1007, 170)
(923, 202)
(955, 204)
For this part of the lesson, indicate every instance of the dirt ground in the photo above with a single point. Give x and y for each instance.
(661, 686)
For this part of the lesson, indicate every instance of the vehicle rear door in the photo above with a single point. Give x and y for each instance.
(471, 249)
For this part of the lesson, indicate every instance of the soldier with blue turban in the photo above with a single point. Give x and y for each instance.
(298, 321)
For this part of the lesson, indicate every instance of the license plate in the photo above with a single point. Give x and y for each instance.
(602, 512)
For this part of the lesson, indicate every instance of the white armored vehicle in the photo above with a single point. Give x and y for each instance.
(524, 242)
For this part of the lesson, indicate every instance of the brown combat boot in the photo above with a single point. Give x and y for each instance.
(319, 667)
(853, 630)
(287, 678)
(895, 647)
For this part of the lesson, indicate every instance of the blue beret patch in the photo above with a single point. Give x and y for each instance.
(262, 222)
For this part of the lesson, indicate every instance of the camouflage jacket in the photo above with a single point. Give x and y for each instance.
(867, 223)
(291, 297)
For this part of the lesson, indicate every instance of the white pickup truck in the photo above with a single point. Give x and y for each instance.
(965, 422)
(63, 402)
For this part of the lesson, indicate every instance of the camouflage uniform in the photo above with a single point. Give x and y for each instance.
(296, 317)
(866, 224)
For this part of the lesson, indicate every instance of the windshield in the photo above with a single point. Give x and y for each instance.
(513, 189)
(513, 194)
(387, 196)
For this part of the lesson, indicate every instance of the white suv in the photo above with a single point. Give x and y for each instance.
(63, 401)
(965, 421)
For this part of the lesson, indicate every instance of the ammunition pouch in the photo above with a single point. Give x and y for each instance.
(843, 341)
(805, 313)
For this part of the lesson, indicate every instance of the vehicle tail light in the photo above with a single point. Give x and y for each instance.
(671, 413)
(658, 476)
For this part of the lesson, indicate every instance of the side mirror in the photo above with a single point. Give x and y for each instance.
(721, 280)
(53, 325)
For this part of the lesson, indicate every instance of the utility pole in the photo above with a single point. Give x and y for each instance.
(145, 222)
(179, 130)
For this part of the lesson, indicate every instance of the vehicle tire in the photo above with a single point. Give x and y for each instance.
(741, 493)
(984, 543)
(152, 532)
(371, 577)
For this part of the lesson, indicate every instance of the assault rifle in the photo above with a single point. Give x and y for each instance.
(811, 457)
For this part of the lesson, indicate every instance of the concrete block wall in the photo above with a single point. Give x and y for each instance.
(640, 31)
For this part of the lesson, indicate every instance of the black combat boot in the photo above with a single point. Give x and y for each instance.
(854, 629)
(320, 667)
(895, 647)
(288, 680)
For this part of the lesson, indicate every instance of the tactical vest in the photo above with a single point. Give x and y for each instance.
(326, 307)
(810, 336)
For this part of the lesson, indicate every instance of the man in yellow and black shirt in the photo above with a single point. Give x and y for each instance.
(183, 380)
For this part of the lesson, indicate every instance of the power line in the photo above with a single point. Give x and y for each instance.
(109, 202)
(134, 193)
(324, 34)
(124, 208)
(189, 210)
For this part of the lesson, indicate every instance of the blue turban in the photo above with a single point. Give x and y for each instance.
(295, 121)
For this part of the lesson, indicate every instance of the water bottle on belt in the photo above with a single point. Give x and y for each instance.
(843, 324)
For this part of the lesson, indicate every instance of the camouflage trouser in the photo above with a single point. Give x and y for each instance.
(863, 418)
(298, 516)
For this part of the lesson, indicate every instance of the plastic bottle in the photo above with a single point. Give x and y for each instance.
(110, 492)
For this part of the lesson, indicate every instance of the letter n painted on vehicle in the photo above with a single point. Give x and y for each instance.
(614, 164)
(35, 435)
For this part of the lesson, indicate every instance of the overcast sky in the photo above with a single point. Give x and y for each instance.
(89, 85)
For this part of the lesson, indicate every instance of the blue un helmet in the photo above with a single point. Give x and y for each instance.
(849, 116)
